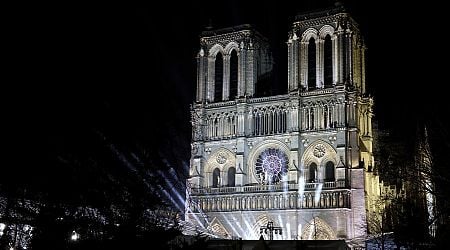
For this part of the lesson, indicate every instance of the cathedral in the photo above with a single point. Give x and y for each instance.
(300, 161)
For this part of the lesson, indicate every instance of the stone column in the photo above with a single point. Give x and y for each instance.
(316, 118)
(357, 64)
(363, 69)
(201, 76)
(309, 118)
(295, 117)
(241, 111)
(304, 64)
(226, 78)
(339, 113)
(334, 44)
(295, 55)
(242, 59)
(250, 72)
(290, 66)
(349, 63)
(320, 63)
(340, 55)
(303, 119)
(353, 113)
(249, 127)
(322, 116)
(210, 87)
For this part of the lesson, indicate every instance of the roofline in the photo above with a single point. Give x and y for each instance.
(214, 32)
(320, 13)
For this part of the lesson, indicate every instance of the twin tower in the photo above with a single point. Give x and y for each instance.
(301, 160)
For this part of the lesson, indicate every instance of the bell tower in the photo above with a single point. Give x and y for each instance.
(326, 54)
(230, 63)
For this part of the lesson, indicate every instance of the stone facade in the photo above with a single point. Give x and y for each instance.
(303, 159)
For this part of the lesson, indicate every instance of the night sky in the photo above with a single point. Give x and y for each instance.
(86, 74)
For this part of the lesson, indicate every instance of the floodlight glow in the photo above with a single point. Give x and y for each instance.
(75, 236)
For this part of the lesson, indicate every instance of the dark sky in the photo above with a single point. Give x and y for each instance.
(129, 72)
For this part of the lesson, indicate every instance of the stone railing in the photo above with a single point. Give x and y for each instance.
(318, 92)
(220, 104)
(268, 98)
(325, 199)
(245, 100)
(269, 188)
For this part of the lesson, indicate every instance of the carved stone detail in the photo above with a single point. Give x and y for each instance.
(221, 158)
(319, 150)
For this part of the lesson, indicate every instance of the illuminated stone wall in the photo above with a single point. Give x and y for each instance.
(303, 159)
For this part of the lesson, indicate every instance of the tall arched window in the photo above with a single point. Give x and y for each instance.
(216, 127)
(328, 62)
(311, 117)
(312, 172)
(218, 78)
(329, 171)
(231, 176)
(307, 120)
(233, 74)
(216, 178)
(312, 64)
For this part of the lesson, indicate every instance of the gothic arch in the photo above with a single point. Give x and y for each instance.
(222, 159)
(233, 70)
(329, 158)
(274, 117)
(319, 152)
(326, 30)
(318, 229)
(307, 34)
(328, 53)
(220, 125)
(217, 228)
(330, 171)
(216, 49)
(231, 46)
(261, 221)
(258, 149)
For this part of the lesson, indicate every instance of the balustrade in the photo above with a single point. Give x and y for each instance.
(271, 201)
(268, 188)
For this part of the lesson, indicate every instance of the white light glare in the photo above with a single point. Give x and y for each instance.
(74, 236)
(317, 194)
(2, 227)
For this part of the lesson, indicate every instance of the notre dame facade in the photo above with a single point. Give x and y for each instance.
(301, 160)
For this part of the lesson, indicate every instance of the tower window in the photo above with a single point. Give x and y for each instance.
(218, 78)
(216, 178)
(329, 171)
(233, 74)
(312, 64)
(328, 62)
(312, 172)
(231, 176)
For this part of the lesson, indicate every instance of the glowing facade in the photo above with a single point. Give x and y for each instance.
(303, 159)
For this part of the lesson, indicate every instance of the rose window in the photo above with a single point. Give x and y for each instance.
(221, 158)
(319, 150)
(271, 166)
